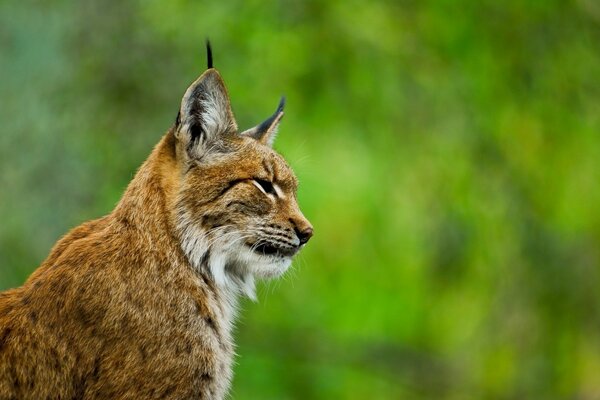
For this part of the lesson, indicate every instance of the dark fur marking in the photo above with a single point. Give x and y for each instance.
(213, 220)
(125, 222)
(241, 203)
(15, 378)
(4, 337)
(211, 324)
(204, 279)
(125, 325)
(95, 375)
(194, 115)
(278, 235)
(197, 132)
(55, 358)
(143, 352)
(79, 384)
(26, 299)
(33, 316)
(168, 391)
(206, 377)
(208, 282)
(31, 381)
(84, 317)
(60, 287)
(230, 185)
(204, 261)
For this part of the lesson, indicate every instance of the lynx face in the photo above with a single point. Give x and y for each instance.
(237, 211)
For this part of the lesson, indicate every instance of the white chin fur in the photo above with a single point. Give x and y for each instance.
(263, 266)
(231, 263)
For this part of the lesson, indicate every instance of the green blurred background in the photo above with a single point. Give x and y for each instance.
(448, 154)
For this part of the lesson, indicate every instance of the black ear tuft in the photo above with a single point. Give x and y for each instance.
(265, 125)
(265, 131)
(281, 105)
(209, 58)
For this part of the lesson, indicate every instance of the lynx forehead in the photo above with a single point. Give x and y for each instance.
(141, 303)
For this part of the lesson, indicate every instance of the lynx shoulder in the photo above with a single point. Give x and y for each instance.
(140, 304)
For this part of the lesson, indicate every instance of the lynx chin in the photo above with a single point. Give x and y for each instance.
(140, 304)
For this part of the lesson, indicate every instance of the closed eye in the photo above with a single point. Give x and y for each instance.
(265, 186)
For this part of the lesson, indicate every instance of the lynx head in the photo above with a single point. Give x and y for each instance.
(237, 213)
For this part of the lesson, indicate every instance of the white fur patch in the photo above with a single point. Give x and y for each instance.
(223, 253)
(217, 252)
(216, 116)
(279, 192)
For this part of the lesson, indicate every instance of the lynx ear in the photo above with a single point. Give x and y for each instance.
(205, 115)
(267, 130)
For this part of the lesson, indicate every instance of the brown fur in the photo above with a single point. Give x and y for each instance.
(133, 305)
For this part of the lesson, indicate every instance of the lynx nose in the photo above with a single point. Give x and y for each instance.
(305, 234)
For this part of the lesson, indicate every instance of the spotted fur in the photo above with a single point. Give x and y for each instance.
(140, 304)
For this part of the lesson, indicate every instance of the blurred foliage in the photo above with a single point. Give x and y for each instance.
(449, 158)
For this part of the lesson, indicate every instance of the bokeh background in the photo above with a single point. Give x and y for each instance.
(448, 154)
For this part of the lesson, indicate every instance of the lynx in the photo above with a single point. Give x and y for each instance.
(140, 304)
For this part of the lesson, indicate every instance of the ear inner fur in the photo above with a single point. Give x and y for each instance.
(205, 115)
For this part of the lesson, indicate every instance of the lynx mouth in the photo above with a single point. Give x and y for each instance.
(267, 249)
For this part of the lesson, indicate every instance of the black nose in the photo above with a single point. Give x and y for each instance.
(304, 235)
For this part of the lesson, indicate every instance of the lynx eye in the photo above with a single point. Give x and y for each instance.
(265, 186)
